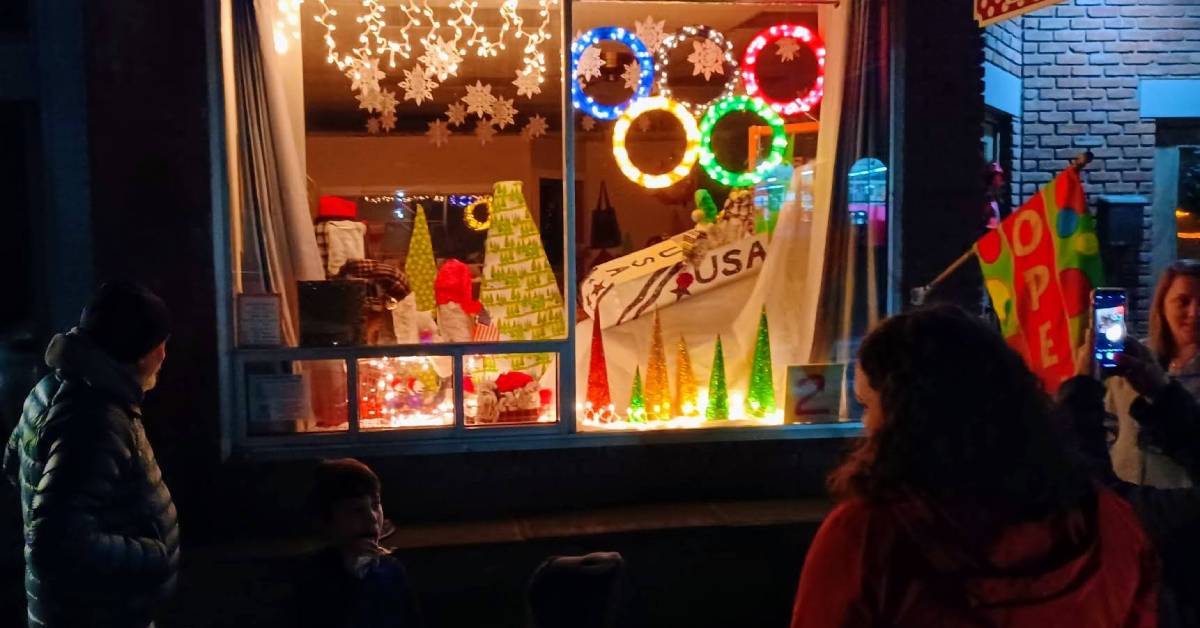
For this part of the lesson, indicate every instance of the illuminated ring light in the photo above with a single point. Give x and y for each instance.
(585, 103)
(720, 109)
(670, 43)
(690, 153)
(473, 222)
(750, 67)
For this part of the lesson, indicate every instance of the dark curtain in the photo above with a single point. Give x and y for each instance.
(853, 278)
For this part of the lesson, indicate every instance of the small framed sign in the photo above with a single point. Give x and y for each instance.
(258, 320)
(814, 393)
(281, 398)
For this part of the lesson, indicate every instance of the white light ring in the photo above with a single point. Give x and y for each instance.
(664, 58)
(691, 151)
(801, 104)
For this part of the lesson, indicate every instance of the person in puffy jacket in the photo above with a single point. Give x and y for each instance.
(963, 505)
(101, 532)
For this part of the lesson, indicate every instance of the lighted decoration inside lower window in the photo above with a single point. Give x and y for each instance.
(405, 392)
(510, 389)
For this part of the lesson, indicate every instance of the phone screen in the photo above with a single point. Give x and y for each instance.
(1109, 307)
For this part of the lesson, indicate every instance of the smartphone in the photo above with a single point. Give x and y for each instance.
(1108, 307)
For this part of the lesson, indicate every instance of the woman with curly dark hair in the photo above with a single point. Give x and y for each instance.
(962, 506)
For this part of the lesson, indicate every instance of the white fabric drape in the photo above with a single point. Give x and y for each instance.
(789, 284)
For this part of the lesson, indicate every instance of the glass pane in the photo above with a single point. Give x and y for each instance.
(296, 396)
(1187, 214)
(511, 389)
(405, 392)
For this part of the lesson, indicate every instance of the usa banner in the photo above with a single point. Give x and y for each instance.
(1039, 268)
(991, 11)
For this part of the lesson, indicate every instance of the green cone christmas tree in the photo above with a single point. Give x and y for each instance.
(760, 398)
(420, 265)
(637, 400)
(718, 395)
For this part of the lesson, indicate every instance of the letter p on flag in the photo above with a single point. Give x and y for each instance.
(1039, 268)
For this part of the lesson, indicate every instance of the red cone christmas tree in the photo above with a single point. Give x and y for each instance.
(598, 397)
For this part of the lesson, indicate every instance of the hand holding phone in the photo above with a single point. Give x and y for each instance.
(1108, 326)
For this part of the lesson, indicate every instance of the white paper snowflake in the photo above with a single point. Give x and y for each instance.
(438, 133)
(787, 48)
(529, 84)
(364, 74)
(588, 123)
(706, 58)
(456, 114)
(387, 120)
(441, 59)
(536, 127)
(418, 84)
(479, 99)
(387, 101)
(484, 132)
(373, 125)
(503, 112)
(589, 64)
(650, 32)
(643, 123)
(369, 100)
(632, 75)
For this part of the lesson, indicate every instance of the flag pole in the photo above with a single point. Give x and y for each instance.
(921, 292)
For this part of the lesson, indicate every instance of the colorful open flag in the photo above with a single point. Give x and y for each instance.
(1039, 268)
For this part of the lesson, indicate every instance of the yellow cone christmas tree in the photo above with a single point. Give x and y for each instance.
(687, 395)
(658, 391)
(420, 265)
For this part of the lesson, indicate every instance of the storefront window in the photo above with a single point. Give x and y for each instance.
(405, 246)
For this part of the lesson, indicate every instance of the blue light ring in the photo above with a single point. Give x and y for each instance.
(580, 100)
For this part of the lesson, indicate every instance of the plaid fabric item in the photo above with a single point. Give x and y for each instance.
(384, 281)
(322, 229)
(485, 332)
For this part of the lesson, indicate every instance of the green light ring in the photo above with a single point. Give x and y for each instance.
(719, 109)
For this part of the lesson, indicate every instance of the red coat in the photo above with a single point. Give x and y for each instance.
(906, 564)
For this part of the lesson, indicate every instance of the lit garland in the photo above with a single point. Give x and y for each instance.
(670, 43)
(691, 151)
(473, 223)
(720, 109)
(582, 101)
(750, 67)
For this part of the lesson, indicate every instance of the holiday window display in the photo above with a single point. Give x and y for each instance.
(405, 392)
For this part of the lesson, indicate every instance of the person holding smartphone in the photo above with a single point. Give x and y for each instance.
(1141, 454)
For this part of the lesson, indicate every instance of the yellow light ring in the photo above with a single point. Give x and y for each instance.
(691, 152)
(469, 215)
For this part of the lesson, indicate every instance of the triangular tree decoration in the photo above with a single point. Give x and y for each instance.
(637, 401)
(718, 396)
(517, 279)
(760, 398)
(598, 396)
(687, 395)
(658, 387)
(420, 265)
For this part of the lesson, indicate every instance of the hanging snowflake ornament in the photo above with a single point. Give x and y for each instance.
(387, 120)
(589, 64)
(438, 133)
(418, 84)
(787, 48)
(369, 100)
(588, 123)
(706, 58)
(484, 132)
(365, 74)
(503, 112)
(536, 127)
(441, 59)
(387, 101)
(632, 75)
(373, 125)
(643, 123)
(456, 114)
(529, 83)
(479, 99)
(650, 32)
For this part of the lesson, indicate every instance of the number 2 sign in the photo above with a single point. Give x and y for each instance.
(814, 393)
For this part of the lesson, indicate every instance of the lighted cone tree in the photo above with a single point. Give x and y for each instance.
(658, 391)
(598, 396)
(687, 395)
(718, 395)
(420, 265)
(637, 400)
(760, 398)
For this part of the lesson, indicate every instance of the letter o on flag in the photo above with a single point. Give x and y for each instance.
(1026, 240)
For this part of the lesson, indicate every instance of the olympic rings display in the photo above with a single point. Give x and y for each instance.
(750, 67)
(720, 109)
(670, 43)
(690, 152)
(645, 60)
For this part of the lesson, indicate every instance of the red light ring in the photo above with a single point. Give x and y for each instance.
(798, 32)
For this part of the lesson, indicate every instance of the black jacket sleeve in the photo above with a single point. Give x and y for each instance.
(1171, 423)
(86, 456)
(1081, 414)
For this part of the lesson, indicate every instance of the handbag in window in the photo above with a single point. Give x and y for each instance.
(606, 233)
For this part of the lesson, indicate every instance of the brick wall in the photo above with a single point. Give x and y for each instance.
(1081, 63)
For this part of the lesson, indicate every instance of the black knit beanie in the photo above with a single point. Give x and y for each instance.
(126, 320)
